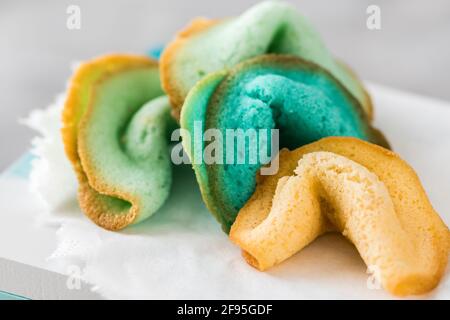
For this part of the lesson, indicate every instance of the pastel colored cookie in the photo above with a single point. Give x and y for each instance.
(367, 193)
(270, 27)
(115, 124)
(304, 101)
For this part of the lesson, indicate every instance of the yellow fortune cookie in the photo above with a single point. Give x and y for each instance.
(364, 191)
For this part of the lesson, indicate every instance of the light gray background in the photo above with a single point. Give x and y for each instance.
(411, 51)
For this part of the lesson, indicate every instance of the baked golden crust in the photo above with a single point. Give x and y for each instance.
(427, 237)
(99, 212)
(168, 78)
(77, 107)
(79, 88)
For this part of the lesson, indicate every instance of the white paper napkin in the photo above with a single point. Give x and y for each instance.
(181, 253)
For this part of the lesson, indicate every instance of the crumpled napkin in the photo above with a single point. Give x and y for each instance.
(181, 253)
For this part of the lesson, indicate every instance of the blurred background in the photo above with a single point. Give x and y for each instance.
(410, 52)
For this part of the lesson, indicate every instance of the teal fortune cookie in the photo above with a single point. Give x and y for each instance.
(301, 99)
(275, 27)
(115, 132)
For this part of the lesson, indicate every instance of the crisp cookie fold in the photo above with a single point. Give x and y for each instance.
(207, 46)
(115, 124)
(300, 99)
(363, 191)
